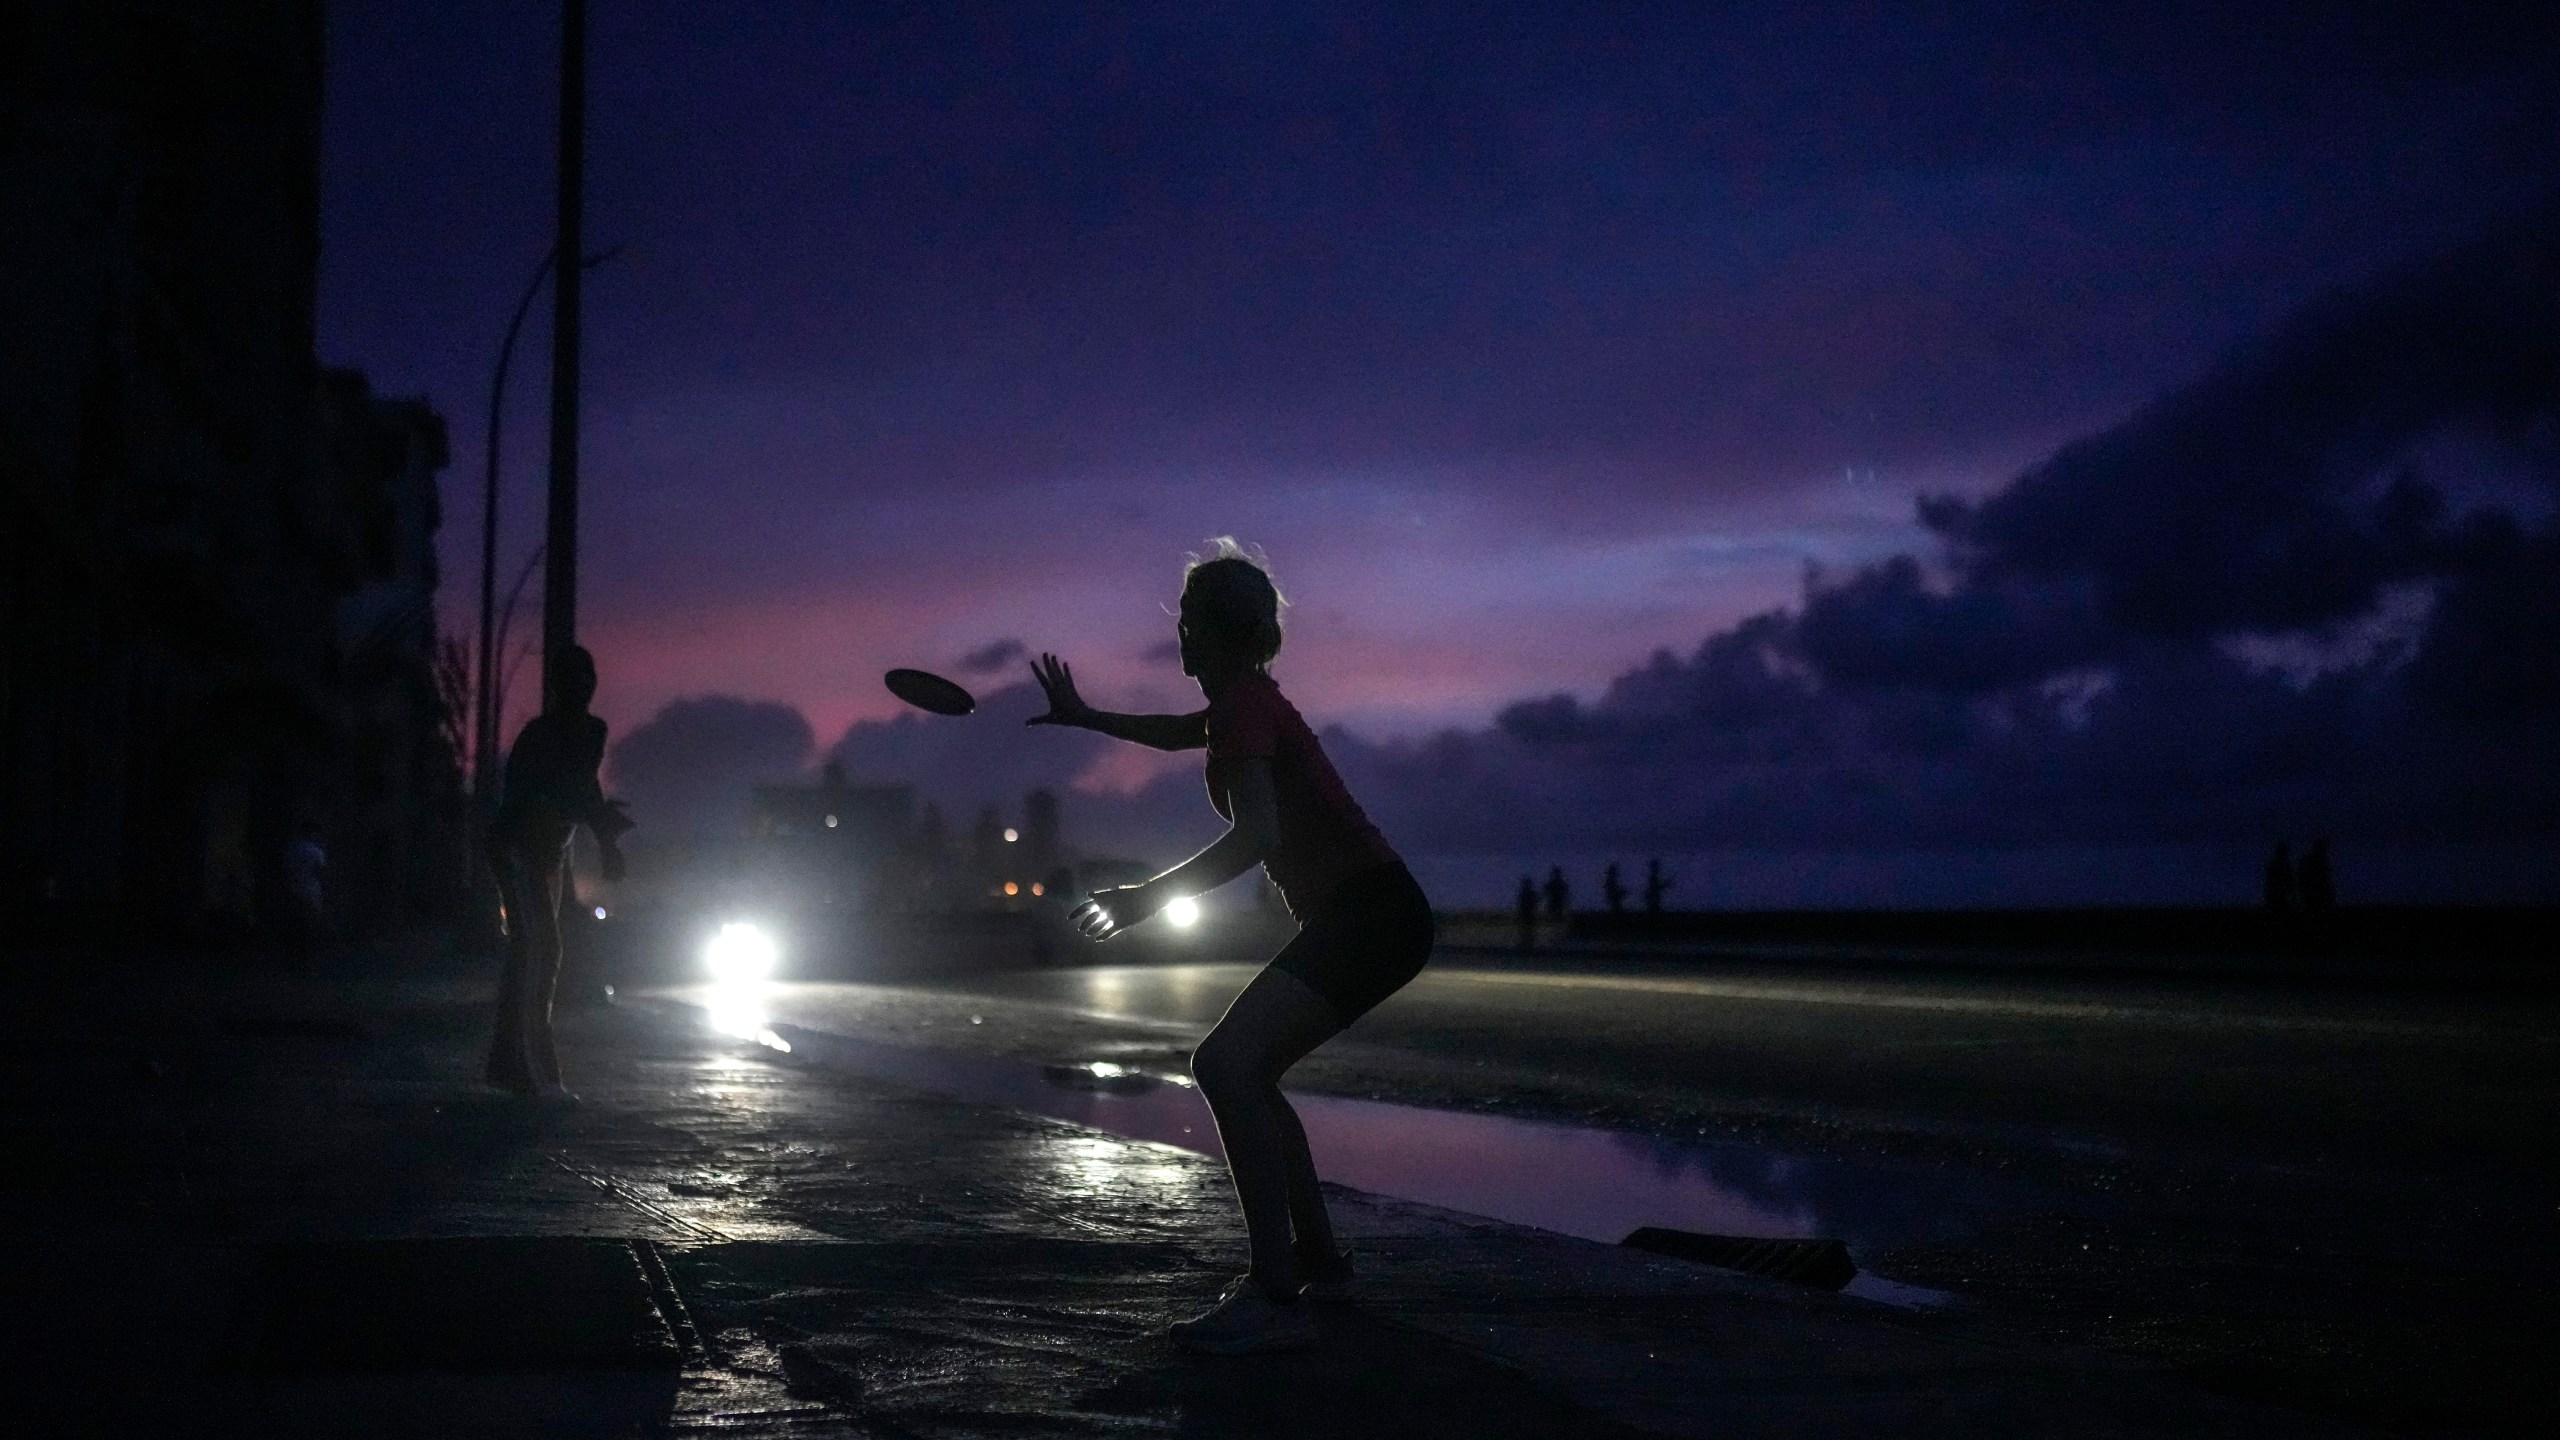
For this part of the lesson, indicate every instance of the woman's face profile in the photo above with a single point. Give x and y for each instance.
(1187, 629)
(1203, 650)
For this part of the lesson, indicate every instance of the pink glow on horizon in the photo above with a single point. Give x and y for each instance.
(1434, 610)
(825, 656)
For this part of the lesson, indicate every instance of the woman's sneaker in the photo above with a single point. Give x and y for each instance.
(1245, 1321)
(1330, 1280)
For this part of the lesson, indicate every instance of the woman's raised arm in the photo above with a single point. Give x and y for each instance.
(1066, 707)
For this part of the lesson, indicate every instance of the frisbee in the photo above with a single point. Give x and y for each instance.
(927, 691)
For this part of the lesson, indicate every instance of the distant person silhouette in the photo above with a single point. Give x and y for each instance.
(1365, 929)
(2277, 886)
(306, 861)
(1655, 882)
(2314, 882)
(1528, 907)
(1613, 890)
(551, 789)
(1559, 895)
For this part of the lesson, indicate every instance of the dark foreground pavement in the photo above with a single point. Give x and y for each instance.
(2322, 1197)
(250, 1207)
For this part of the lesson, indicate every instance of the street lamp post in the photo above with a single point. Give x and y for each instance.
(560, 565)
(484, 716)
(487, 713)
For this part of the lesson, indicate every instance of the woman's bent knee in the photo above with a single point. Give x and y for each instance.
(1225, 1066)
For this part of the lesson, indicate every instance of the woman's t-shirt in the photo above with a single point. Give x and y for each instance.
(551, 779)
(1324, 837)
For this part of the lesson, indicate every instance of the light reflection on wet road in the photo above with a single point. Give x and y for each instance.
(1591, 1183)
(2377, 1100)
(2319, 1185)
(2274, 1074)
(1199, 992)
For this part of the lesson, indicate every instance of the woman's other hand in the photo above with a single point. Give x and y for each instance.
(612, 820)
(609, 824)
(1108, 912)
(1058, 682)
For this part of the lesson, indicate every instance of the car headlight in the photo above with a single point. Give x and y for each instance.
(740, 952)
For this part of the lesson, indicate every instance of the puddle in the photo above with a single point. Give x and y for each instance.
(1575, 1180)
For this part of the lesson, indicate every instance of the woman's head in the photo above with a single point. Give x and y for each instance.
(570, 683)
(1230, 610)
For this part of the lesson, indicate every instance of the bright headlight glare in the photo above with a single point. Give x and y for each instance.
(740, 952)
(1182, 914)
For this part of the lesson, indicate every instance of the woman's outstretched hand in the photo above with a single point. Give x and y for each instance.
(1108, 912)
(1058, 682)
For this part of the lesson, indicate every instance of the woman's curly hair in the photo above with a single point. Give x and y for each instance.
(1233, 594)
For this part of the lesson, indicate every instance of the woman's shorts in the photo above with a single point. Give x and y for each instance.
(1365, 942)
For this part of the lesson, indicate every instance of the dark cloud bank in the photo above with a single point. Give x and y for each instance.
(690, 769)
(2317, 591)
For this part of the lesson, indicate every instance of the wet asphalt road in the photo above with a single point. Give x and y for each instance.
(2264, 1075)
(203, 1159)
(2330, 1197)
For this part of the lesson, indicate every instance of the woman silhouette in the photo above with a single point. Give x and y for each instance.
(1365, 929)
(551, 789)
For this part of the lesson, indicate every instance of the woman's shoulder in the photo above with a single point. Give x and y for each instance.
(1268, 699)
(1254, 690)
(543, 729)
(1250, 717)
(549, 735)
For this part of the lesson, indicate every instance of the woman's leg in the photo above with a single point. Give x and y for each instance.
(1310, 1225)
(1270, 1027)
(507, 1066)
(542, 1055)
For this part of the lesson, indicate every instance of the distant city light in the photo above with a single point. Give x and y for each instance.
(1011, 835)
(740, 952)
(599, 912)
(1010, 888)
(1182, 914)
(1036, 890)
(831, 822)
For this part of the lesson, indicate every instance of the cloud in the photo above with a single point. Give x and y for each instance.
(992, 759)
(2282, 491)
(690, 769)
(2317, 591)
(989, 757)
(989, 658)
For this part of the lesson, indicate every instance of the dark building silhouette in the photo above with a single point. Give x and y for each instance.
(1040, 839)
(400, 816)
(2315, 883)
(211, 553)
(2275, 887)
(834, 844)
(933, 840)
(986, 852)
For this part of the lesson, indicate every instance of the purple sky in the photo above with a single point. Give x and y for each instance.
(1527, 341)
